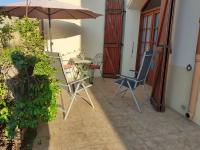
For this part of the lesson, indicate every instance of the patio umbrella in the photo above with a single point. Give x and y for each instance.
(48, 9)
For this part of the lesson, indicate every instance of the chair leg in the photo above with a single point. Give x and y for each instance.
(101, 74)
(118, 90)
(134, 97)
(88, 95)
(146, 93)
(62, 104)
(72, 101)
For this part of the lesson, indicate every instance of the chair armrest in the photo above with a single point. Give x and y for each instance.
(79, 80)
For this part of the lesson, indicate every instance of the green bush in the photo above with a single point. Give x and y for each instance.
(29, 97)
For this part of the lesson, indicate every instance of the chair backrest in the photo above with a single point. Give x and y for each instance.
(145, 66)
(56, 62)
(98, 59)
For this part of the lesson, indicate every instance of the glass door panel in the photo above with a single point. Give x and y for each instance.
(149, 37)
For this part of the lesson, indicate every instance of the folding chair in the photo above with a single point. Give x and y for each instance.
(130, 83)
(74, 87)
(97, 62)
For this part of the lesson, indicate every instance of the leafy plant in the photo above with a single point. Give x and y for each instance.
(6, 31)
(33, 91)
(3, 105)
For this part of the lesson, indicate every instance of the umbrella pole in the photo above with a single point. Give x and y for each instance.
(50, 36)
(26, 8)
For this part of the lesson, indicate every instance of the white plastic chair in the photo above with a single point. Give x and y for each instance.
(72, 87)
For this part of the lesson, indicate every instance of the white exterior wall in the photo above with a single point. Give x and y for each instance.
(66, 34)
(131, 31)
(184, 42)
(92, 41)
(93, 35)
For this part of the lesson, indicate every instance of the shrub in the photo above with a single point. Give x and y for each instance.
(29, 97)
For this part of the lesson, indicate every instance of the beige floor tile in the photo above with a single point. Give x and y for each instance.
(115, 124)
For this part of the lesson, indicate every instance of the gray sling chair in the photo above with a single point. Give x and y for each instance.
(130, 83)
(74, 87)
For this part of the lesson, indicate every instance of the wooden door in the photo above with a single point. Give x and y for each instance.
(148, 39)
(163, 51)
(113, 37)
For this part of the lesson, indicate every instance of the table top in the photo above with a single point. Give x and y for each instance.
(80, 61)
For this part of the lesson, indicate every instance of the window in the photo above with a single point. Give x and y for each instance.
(149, 31)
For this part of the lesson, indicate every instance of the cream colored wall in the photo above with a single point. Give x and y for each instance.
(131, 31)
(93, 35)
(184, 41)
(66, 34)
(178, 88)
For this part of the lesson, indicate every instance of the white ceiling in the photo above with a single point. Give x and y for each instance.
(136, 4)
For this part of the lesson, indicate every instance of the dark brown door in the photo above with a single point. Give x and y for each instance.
(113, 37)
(163, 51)
(148, 39)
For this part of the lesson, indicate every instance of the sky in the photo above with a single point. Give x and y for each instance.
(3, 2)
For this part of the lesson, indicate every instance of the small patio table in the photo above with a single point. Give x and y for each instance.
(80, 60)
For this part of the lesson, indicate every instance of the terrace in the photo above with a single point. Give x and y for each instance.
(115, 124)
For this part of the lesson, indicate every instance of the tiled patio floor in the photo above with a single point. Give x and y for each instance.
(115, 124)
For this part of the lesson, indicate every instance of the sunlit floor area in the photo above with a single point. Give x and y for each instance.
(115, 124)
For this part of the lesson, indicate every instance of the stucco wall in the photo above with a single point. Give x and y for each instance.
(92, 40)
(184, 41)
(131, 31)
(66, 34)
(93, 35)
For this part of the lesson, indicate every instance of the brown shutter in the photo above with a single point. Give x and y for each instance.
(163, 51)
(113, 37)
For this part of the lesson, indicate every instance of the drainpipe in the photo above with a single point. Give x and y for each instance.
(195, 83)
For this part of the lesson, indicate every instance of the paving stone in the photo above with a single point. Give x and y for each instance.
(115, 124)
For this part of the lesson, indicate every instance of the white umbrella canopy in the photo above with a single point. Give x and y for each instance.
(47, 9)
(43, 9)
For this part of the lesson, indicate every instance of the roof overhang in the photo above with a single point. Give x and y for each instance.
(136, 4)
